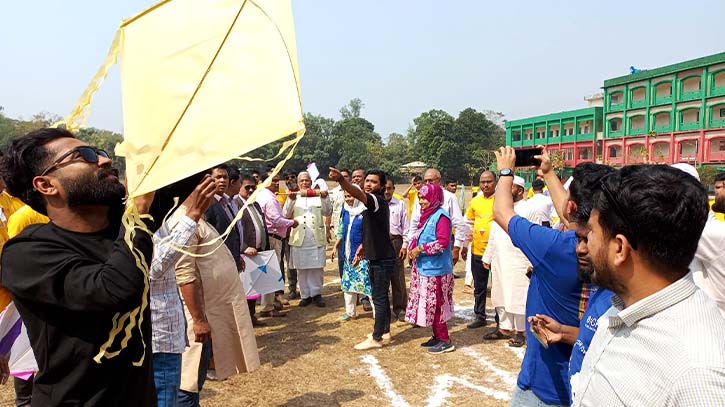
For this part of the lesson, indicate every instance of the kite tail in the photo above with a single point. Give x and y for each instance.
(132, 223)
(79, 116)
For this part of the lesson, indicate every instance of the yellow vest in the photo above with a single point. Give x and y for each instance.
(308, 213)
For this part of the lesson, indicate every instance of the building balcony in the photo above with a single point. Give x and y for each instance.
(517, 143)
(717, 91)
(691, 95)
(667, 128)
(717, 122)
(690, 126)
(616, 106)
(637, 131)
(663, 100)
(585, 137)
(638, 103)
(568, 139)
(615, 133)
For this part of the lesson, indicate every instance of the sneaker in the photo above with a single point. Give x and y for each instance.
(306, 301)
(479, 323)
(367, 306)
(441, 347)
(346, 317)
(433, 341)
(211, 375)
(256, 322)
(369, 343)
(401, 317)
(319, 301)
(386, 338)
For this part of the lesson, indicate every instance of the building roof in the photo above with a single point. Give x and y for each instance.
(568, 114)
(666, 70)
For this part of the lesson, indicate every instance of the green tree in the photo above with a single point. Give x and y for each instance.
(352, 109)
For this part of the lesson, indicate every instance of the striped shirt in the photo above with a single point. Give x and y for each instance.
(168, 323)
(667, 349)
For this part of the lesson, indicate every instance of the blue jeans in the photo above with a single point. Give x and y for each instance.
(381, 271)
(167, 377)
(527, 398)
(191, 399)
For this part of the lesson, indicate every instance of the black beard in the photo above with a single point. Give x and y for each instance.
(584, 273)
(94, 189)
(719, 205)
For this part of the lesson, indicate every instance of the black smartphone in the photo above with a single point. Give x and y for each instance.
(525, 157)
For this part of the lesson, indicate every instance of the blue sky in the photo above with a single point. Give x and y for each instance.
(401, 58)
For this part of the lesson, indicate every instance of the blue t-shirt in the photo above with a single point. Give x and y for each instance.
(599, 302)
(554, 290)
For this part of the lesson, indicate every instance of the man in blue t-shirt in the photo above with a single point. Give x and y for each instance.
(555, 288)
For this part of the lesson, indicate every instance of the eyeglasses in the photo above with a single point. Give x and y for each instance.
(619, 211)
(87, 153)
(250, 187)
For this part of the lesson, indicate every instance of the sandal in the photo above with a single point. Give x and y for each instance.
(496, 335)
(517, 341)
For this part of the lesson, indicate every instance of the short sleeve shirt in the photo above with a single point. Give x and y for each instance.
(554, 290)
(376, 229)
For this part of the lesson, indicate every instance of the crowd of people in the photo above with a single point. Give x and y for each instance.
(614, 280)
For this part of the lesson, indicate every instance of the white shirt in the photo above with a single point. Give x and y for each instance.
(667, 349)
(450, 204)
(542, 207)
(398, 217)
(337, 198)
(708, 267)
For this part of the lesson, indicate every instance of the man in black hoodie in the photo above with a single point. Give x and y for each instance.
(70, 279)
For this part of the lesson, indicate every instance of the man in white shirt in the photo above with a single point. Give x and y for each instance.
(398, 227)
(541, 205)
(450, 204)
(662, 343)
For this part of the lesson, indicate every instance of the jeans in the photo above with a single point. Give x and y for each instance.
(167, 378)
(381, 271)
(23, 391)
(191, 399)
(480, 285)
(527, 398)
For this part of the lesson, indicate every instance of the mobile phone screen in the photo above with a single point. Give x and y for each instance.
(525, 157)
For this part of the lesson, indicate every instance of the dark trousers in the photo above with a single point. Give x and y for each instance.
(400, 295)
(380, 273)
(23, 391)
(480, 285)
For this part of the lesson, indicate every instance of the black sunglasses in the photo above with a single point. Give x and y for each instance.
(250, 187)
(619, 211)
(87, 153)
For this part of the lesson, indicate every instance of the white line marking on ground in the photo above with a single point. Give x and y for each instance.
(384, 382)
(331, 282)
(439, 393)
(506, 376)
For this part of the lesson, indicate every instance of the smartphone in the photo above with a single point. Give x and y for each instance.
(541, 340)
(525, 157)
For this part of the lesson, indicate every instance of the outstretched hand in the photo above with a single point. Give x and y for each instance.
(505, 157)
(545, 165)
(335, 174)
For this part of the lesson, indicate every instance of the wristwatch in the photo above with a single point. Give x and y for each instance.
(506, 172)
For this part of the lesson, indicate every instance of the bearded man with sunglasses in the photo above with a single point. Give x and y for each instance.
(70, 277)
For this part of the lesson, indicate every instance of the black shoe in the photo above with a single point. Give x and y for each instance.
(441, 347)
(292, 295)
(367, 306)
(256, 322)
(306, 301)
(401, 317)
(479, 323)
(433, 341)
(319, 301)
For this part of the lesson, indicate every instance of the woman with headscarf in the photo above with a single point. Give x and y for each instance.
(355, 277)
(430, 300)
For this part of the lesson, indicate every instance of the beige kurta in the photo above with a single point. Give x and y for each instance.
(509, 284)
(225, 304)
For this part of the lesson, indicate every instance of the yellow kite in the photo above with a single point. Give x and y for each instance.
(203, 82)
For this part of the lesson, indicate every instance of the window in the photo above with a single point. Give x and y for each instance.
(639, 94)
(554, 133)
(585, 153)
(614, 98)
(637, 122)
(568, 154)
(688, 147)
(615, 151)
(528, 136)
(540, 134)
(614, 124)
(722, 112)
(570, 131)
(584, 129)
(662, 119)
(690, 116)
(516, 135)
(691, 84)
(721, 143)
(663, 89)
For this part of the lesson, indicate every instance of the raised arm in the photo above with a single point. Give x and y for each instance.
(558, 194)
(357, 193)
(503, 205)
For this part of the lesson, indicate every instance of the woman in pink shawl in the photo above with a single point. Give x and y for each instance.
(430, 301)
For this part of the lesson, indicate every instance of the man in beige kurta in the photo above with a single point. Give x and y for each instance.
(225, 307)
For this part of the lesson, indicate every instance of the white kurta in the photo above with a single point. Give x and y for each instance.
(509, 265)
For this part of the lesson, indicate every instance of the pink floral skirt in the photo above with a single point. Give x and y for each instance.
(422, 298)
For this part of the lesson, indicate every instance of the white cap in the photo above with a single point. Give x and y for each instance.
(519, 181)
(688, 169)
